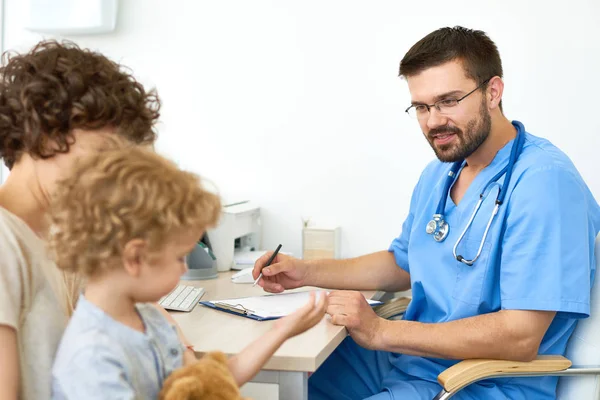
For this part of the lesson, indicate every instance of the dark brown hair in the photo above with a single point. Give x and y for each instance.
(478, 53)
(57, 87)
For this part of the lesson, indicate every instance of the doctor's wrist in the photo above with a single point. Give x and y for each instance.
(381, 336)
(309, 272)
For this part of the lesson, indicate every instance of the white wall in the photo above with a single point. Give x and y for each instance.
(3, 169)
(297, 105)
(3, 172)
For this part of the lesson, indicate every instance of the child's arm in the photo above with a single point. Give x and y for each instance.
(249, 361)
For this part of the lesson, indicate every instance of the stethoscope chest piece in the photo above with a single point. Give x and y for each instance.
(437, 227)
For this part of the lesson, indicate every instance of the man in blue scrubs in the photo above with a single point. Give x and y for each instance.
(523, 294)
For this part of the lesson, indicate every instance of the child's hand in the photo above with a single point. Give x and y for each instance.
(246, 364)
(304, 318)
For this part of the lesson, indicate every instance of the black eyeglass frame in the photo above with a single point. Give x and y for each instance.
(437, 103)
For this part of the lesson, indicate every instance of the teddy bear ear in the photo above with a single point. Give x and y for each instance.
(217, 356)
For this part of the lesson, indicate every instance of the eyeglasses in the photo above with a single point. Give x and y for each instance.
(443, 106)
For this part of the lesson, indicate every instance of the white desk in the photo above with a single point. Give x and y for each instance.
(208, 330)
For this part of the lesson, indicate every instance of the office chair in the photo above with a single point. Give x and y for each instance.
(579, 370)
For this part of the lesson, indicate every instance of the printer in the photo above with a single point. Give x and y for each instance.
(238, 230)
(202, 263)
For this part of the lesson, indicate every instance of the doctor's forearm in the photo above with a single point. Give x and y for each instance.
(507, 335)
(376, 271)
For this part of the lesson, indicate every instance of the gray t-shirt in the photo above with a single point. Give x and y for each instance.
(100, 358)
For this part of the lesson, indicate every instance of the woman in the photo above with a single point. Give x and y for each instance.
(57, 103)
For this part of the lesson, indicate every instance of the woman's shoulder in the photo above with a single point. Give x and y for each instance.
(13, 241)
(14, 232)
(20, 247)
(25, 264)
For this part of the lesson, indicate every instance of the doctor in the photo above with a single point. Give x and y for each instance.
(506, 277)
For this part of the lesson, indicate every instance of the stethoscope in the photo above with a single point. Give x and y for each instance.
(439, 228)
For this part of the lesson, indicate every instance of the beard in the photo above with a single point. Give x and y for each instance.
(466, 142)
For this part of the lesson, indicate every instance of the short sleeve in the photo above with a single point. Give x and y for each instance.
(11, 278)
(399, 246)
(547, 249)
(92, 373)
(165, 335)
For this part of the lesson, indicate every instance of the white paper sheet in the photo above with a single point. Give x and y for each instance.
(272, 306)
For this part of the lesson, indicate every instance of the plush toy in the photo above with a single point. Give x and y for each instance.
(207, 379)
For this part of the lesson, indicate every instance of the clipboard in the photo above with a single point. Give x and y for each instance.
(267, 307)
(237, 310)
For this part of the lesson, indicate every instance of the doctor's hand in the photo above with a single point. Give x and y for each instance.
(351, 309)
(285, 272)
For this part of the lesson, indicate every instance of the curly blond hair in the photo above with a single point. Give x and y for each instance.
(119, 195)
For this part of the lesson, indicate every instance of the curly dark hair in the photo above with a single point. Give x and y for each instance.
(57, 87)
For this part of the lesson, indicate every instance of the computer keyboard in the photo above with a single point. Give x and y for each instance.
(182, 298)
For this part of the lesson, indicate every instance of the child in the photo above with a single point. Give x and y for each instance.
(125, 221)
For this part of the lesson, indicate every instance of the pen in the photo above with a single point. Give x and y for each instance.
(267, 264)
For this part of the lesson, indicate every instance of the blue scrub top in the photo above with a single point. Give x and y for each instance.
(538, 255)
